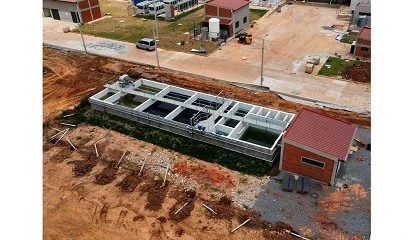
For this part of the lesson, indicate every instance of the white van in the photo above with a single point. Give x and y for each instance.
(146, 43)
(156, 8)
(143, 7)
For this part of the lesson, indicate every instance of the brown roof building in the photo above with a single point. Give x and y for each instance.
(71, 10)
(233, 14)
(315, 145)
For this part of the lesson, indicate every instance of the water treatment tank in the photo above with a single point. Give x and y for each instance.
(214, 27)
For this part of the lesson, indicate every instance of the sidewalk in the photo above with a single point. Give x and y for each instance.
(341, 93)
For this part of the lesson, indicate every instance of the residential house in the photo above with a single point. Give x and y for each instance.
(233, 14)
(70, 10)
(362, 47)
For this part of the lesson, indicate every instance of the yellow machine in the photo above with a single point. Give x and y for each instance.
(245, 38)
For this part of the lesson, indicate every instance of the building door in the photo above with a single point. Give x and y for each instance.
(47, 12)
(55, 14)
(75, 17)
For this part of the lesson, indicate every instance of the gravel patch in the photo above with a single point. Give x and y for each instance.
(108, 46)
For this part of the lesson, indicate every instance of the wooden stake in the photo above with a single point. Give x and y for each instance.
(240, 225)
(56, 129)
(69, 115)
(209, 208)
(96, 150)
(121, 158)
(71, 144)
(58, 133)
(62, 136)
(166, 173)
(142, 166)
(68, 124)
(185, 204)
(296, 235)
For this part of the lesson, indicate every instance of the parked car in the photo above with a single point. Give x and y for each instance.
(147, 44)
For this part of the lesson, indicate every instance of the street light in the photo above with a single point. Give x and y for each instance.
(262, 62)
(154, 35)
(79, 25)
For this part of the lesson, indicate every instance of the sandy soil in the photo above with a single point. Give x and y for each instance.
(85, 197)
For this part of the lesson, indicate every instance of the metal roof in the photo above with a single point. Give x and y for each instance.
(365, 33)
(229, 4)
(323, 133)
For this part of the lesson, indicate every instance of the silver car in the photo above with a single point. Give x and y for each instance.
(147, 44)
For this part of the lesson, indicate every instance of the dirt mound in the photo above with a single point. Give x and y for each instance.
(81, 168)
(359, 72)
(107, 175)
(186, 202)
(156, 194)
(223, 208)
(130, 182)
(63, 154)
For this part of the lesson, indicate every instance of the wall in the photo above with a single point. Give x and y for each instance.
(291, 162)
(238, 15)
(210, 10)
(363, 10)
(358, 48)
(90, 10)
(178, 128)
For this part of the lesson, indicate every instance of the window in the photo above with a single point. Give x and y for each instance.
(245, 19)
(364, 49)
(237, 24)
(313, 162)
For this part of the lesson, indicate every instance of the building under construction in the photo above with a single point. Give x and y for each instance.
(219, 120)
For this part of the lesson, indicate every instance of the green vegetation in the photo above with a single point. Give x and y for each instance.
(122, 27)
(255, 14)
(349, 37)
(338, 65)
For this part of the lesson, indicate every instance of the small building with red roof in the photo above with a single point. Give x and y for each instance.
(71, 10)
(363, 43)
(315, 145)
(233, 14)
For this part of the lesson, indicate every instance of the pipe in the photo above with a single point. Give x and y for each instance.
(121, 158)
(58, 133)
(209, 208)
(185, 204)
(68, 124)
(62, 135)
(71, 144)
(96, 150)
(240, 225)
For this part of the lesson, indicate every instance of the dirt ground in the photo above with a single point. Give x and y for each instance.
(360, 72)
(89, 197)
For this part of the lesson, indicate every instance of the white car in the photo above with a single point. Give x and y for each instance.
(146, 43)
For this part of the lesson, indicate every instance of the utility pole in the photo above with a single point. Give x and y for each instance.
(79, 25)
(262, 61)
(154, 35)
(156, 28)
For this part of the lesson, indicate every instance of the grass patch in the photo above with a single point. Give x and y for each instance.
(255, 14)
(338, 65)
(349, 37)
(122, 27)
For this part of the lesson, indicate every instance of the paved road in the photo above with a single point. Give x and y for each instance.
(284, 59)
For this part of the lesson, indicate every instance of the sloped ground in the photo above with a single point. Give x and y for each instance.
(87, 197)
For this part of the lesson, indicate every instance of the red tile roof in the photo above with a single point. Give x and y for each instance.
(222, 21)
(323, 133)
(229, 4)
(364, 33)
